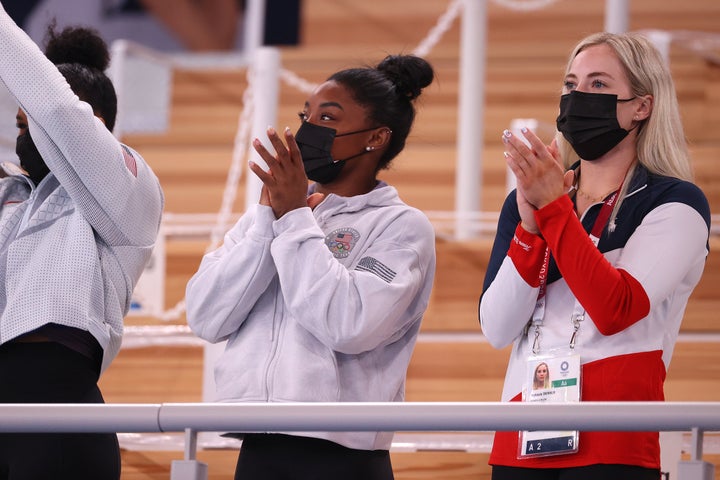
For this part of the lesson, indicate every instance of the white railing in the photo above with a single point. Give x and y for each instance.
(697, 417)
(360, 416)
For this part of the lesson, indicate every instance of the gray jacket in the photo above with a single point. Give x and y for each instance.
(318, 306)
(72, 248)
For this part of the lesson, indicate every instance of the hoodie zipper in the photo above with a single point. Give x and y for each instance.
(274, 343)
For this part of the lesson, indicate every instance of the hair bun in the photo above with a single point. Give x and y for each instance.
(409, 73)
(78, 45)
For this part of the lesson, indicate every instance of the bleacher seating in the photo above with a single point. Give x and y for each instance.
(525, 59)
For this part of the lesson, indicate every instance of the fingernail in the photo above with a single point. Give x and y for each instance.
(287, 129)
(507, 133)
(271, 131)
(524, 130)
(507, 155)
(256, 142)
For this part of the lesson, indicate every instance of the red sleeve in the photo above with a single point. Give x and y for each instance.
(612, 297)
(527, 252)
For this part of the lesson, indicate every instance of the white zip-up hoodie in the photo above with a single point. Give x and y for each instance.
(318, 306)
(72, 248)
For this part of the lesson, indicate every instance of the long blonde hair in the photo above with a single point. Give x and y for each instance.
(661, 143)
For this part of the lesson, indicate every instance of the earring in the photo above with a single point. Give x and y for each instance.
(369, 148)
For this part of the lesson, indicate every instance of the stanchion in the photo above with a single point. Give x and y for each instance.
(471, 114)
(189, 468)
(696, 468)
(266, 85)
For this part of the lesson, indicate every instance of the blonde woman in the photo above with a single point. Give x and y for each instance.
(598, 251)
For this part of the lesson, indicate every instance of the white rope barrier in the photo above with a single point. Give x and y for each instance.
(235, 173)
(199, 226)
(242, 139)
(146, 336)
(294, 80)
(655, 416)
(434, 36)
(349, 416)
(446, 223)
(704, 44)
(524, 5)
(204, 226)
(441, 27)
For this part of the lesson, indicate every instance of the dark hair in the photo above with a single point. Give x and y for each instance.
(388, 91)
(82, 56)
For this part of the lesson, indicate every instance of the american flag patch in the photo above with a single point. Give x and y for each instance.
(372, 265)
(129, 160)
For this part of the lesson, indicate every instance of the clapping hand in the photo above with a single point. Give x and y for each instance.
(285, 183)
(541, 177)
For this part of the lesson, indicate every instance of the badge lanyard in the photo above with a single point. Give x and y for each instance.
(561, 371)
(578, 312)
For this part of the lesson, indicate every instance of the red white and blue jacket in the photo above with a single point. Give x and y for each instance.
(634, 287)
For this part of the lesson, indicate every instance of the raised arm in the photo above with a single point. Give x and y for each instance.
(111, 184)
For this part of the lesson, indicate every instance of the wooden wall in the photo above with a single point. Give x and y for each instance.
(525, 60)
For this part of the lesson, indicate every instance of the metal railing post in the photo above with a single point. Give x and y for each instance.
(471, 103)
(696, 468)
(189, 468)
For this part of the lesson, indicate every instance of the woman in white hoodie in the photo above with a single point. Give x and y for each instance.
(320, 292)
(77, 227)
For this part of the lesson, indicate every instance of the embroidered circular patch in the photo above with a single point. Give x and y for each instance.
(341, 241)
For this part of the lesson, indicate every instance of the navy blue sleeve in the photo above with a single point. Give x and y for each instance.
(507, 223)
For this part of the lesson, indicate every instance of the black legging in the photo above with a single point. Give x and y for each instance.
(289, 457)
(48, 372)
(590, 472)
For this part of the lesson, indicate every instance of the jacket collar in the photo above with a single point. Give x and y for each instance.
(382, 195)
(638, 181)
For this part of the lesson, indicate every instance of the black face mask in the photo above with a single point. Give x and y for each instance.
(589, 122)
(315, 143)
(30, 159)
